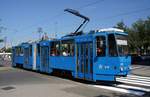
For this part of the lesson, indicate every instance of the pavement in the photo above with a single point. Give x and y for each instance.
(16, 82)
(141, 70)
(32, 84)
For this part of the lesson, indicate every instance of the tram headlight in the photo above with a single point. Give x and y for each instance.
(121, 68)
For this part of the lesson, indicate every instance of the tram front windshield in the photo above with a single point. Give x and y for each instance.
(117, 45)
(121, 42)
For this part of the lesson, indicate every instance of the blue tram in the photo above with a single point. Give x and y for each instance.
(100, 55)
(31, 58)
(26, 55)
(17, 56)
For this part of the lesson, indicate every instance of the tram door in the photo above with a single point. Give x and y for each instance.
(26, 56)
(34, 57)
(44, 58)
(85, 60)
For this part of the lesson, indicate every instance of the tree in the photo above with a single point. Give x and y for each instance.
(1, 40)
(121, 25)
(142, 30)
(1, 29)
(8, 50)
(133, 41)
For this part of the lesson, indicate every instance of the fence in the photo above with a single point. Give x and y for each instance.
(5, 59)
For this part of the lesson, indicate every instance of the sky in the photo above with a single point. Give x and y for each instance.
(22, 18)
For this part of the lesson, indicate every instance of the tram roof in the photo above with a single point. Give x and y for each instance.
(111, 31)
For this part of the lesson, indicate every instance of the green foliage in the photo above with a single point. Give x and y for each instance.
(8, 50)
(121, 25)
(1, 40)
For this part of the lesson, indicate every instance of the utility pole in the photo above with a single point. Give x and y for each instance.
(2, 29)
(40, 31)
(5, 42)
(56, 29)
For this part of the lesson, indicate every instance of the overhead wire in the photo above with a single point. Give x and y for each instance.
(89, 4)
(127, 13)
(62, 13)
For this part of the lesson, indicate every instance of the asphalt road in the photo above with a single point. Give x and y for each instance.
(141, 70)
(31, 84)
(16, 82)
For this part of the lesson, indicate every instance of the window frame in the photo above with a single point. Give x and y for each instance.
(103, 47)
(30, 50)
(123, 47)
(115, 46)
(16, 51)
(71, 51)
(57, 51)
(38, 50)
(19, 51)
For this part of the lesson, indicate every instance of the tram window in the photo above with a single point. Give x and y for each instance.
(30, 48)
(100, 46)
(21, 51)
(112, 45)
(16, 50)
(38, 49)
(55, 49)
(67, 48)
(121, 43)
